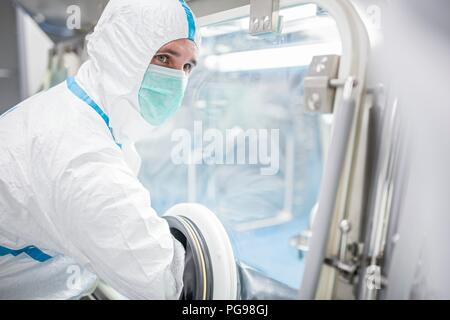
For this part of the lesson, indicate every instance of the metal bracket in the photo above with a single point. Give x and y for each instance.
(320, 84)
(301, 242)
(264, 17)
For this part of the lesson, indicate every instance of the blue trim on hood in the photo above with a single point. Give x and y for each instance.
(190, 19)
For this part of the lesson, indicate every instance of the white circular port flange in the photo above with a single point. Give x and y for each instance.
(219, 247)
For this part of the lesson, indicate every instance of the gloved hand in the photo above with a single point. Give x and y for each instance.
(255, 285)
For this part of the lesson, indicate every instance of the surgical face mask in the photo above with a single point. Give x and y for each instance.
(161, 93)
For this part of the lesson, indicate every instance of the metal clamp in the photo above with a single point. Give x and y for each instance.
(348, 259)
(264, 17)
(320, 83)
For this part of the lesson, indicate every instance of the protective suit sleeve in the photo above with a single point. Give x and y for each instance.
(105, 219)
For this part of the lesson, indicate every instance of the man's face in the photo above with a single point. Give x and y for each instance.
(179, 54)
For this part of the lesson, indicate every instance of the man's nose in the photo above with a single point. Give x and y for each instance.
(179, 66)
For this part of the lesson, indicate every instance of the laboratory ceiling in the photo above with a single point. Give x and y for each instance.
(52, 15)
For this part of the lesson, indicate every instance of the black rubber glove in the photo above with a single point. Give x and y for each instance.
(254, 285)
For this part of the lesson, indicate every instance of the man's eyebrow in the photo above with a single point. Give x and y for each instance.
(171, 52)
(194, 62)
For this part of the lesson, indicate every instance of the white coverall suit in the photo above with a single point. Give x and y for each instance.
(71, 206)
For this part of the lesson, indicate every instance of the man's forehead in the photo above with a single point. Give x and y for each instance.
(180, 44)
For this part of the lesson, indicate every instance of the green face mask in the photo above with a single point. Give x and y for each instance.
(161, 93)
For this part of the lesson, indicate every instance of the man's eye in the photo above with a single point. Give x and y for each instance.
(162, 59)
(187, 68)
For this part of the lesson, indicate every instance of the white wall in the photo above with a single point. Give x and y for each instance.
(36, 46)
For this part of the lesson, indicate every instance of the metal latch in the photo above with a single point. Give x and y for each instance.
(264, 17)
(348, 260)
(321, 82)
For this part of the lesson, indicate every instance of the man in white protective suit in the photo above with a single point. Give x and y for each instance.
(72, 210)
